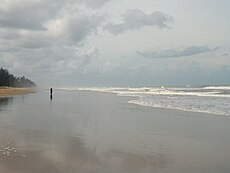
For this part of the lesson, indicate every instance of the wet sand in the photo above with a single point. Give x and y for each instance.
(7, 91)
(90, 132)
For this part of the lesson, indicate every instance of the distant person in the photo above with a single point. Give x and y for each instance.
(51, 91)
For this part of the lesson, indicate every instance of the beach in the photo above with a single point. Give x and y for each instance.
(6, 91)
(96, 132)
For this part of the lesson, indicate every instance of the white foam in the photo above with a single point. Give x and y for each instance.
(158, 91)
(218, 87)
(213, 100)
(189, 109)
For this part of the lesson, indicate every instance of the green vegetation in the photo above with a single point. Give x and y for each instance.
(9, 80)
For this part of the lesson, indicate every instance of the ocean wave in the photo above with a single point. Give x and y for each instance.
(200, 92)
(205, 106)
(218, 87)
(160, 91)
(210, 99)
(217, 112)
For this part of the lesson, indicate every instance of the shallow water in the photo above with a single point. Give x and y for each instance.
(97, 132)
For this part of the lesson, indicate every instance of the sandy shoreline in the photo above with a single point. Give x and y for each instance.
(94, 132)
(7, 91)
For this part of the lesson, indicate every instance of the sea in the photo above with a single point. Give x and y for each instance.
(207, 99)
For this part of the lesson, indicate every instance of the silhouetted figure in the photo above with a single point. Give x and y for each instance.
(51, 93)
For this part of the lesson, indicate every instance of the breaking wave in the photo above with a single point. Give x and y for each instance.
(209, 99)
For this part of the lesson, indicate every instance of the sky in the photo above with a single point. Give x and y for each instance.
(89, 43)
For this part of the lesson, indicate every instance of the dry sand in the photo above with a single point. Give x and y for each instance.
(6, 91)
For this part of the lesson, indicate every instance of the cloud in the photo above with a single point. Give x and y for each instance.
(79, 62)
(8, 34)
(225, 54)
(26, 14)
(93, 3)
(136, 19)
(34, 15)
(78, 28)
(173, 53)
(67, 30)
(52, 61)
(46, 40)
(42, 38)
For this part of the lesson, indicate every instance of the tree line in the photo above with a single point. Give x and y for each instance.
(9, 80)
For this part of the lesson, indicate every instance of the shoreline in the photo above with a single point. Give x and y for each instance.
(130, 101)
(85, 131)
(178, 109)
(9, 91)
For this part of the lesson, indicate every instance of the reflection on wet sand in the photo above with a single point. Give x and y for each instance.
(47, 153)
(50, 153)
(134, 162)
(4, 101)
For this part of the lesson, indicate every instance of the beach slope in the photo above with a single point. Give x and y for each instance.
(6, 91)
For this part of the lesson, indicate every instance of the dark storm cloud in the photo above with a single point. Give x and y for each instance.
(136, 19)
(173, 53)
